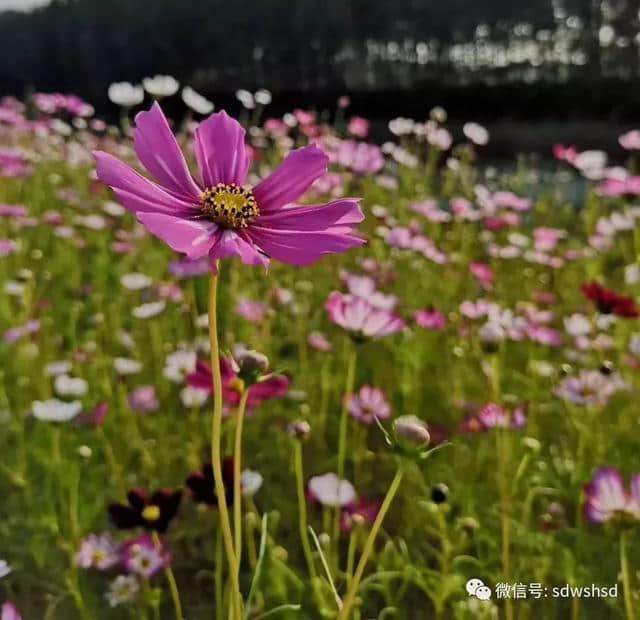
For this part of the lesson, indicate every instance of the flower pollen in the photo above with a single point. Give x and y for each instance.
(229, 206)
(151, 513)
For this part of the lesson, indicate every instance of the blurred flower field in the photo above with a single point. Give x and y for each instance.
(428, 378)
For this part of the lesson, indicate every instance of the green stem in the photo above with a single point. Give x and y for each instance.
(342, 444)
(302, 509)
(626, 577)
(171, 580)
(350, 597)
(216, 437)
(504, 453)
(237, 479)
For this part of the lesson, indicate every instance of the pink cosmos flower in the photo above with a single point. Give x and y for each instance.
(17, 333)
(13, 211)
(565, 153)
(254, 311)
(98, 551)
(7, 246)
(357, 315)
(186, 268)
(273, 386)
(606, 496)
(430, 319)
(358, 127)
(141, 556)
(219, 216)
(319, 341)
(9, 612)
(630, 140)
(360, 157)
(483, 273)
(546, 239)
(365, 287)
(544, 335)
(368, 404)
(144, 399)
(613, 188)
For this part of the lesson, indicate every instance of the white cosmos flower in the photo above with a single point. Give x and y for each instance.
(330, 490)
(161, 85)
(251, 481)
(93, 222)
(196, 101)
(135, 281)
(54, 410)
(126, 366)
(262, 96)
(113, 208)
(61, 127)
(193, 397)
(178, 364)
(146, 311)
(57, 368)
(123, 589)
(64, 385)
(125, 94)
(13, 288)
(476, 133)
(5, 569)
(401, 126)
(246, 99)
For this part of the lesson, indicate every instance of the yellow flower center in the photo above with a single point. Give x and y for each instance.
(229, 206)
(151, 513)
(237, 384)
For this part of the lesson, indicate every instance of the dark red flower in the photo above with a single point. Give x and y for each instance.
(609, 302)
(153, 512)
(202, 484)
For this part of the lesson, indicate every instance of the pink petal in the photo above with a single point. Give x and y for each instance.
(230, 243)
(134, 191)
(342, 213)
(9, 612)
(301, 247)
(220, 150)
(291, 179)
(160, 154)
(192, 237)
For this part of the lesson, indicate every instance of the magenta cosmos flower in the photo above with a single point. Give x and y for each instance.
(606, 496)
(218, 215)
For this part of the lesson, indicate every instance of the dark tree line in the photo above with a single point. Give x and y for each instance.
(288, 45)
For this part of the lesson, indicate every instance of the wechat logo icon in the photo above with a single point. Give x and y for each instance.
(476, 588)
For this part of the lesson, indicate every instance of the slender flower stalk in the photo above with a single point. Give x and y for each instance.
(342, 438)
(302, 509)
(626, 577)
(237, 478)
(216, 437)
(350, 597)
(171, 580)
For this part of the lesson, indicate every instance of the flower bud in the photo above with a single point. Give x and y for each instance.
(409, 429)
(299, 429)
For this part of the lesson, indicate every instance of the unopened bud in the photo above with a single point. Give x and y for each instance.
(411, 429)
(299, 429)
